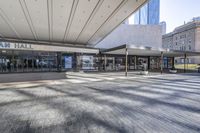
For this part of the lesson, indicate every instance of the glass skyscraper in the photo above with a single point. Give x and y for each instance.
(149, 13)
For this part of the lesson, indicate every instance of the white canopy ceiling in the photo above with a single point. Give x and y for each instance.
(66, 21)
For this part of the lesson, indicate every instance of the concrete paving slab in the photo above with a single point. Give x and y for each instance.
(134, 104)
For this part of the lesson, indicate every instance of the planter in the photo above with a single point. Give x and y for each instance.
(144, 72)
(173, 71)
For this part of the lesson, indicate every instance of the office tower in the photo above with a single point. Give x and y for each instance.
(148, 14)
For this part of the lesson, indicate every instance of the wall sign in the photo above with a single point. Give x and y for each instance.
(4, 45)
(40, 47)
(7, 45)
(68, 62)
(23, 46)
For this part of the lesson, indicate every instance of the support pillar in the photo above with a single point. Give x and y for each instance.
(99, 61)
(74, 62)
(185, 56)
(59, 61)
(135, 62)
(104, 62)
(161, 66)
(126, 64)
(173, 60)
(149, 63)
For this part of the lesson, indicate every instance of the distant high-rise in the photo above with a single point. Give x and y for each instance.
(149, 13)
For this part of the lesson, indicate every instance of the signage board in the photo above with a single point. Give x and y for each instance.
(68, 62)
(40, 47)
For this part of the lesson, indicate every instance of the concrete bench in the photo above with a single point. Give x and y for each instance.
(144, 72)
(173, 71)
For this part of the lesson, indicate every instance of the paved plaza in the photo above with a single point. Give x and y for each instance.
(102, 103)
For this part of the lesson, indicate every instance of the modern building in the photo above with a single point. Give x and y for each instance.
(164, 27)
(43, 35)
(148, 14)
(184, 38)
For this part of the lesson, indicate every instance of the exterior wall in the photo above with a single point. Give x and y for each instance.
(197, 39)
(197, 43)
(140, 35)
(167, 41)
(184, 41)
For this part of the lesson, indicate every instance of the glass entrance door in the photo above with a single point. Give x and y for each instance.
(142, 62)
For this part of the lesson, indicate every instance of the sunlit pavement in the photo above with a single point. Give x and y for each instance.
(102, 102)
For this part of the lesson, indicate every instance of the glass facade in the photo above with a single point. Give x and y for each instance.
(12, 61)
(154, 12)
(144, 15)
(27, 61)
(40, 61)
(148, 14)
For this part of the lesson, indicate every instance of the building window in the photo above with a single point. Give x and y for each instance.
(190, 48)
(183, 36)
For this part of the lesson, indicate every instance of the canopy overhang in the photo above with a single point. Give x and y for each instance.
(84, 22)
(147, 51)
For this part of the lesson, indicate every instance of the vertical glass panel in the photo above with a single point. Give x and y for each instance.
(154, 63)
(110, 64)
(87, 62)
(142, 63)
(132, 63)
(154, 12)
(120, 63)
(144, 14)
(137, 17)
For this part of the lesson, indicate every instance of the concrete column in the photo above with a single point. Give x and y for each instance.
(75, 62)
(161, 66)
(113, 63)
(59, 61)
(104, 62)
(135, 61)
(173, 60)
(126, 64)
(185, 56)
(149, 64)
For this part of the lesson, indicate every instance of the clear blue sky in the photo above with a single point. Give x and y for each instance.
(175, 12)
